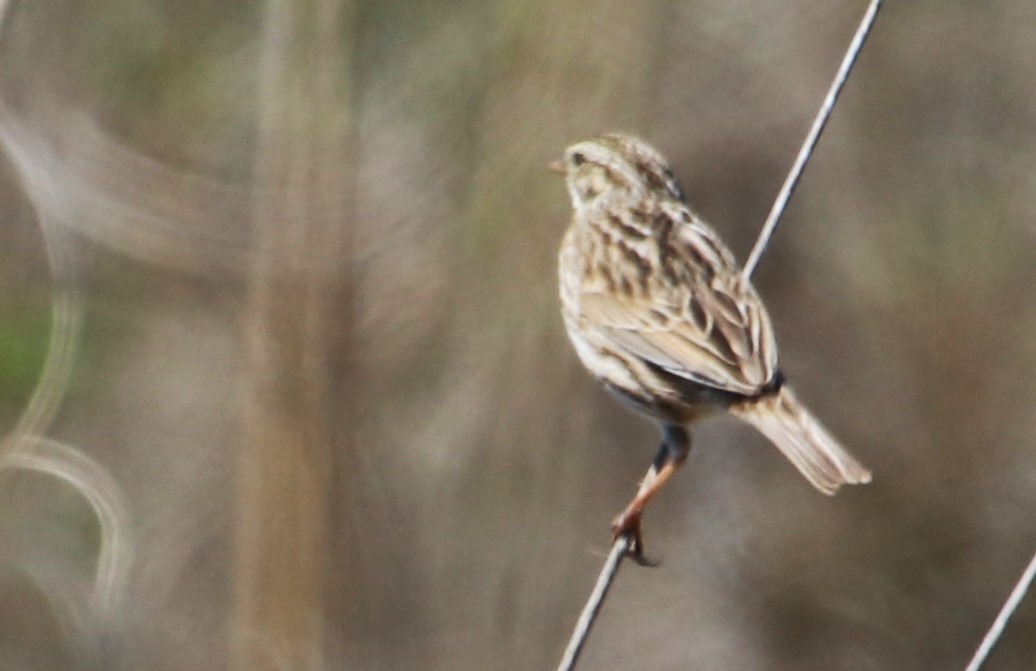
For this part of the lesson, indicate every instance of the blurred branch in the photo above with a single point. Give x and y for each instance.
(997, 630)
(45, 189)
(66, 327)
(83, 178)
(810, 143)
(106, 498)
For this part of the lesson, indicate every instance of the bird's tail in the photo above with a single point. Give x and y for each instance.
(801, 438)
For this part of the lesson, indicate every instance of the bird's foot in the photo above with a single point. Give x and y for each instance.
(627, 525)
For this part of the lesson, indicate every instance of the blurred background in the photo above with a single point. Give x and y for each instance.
(283, 382)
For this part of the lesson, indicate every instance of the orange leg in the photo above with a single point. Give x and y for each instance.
(676, 444)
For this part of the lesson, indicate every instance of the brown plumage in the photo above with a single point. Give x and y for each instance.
(658, 311)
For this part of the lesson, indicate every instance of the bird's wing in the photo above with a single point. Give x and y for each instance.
(709, 327)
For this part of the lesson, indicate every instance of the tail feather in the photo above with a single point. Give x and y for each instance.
(800, 437)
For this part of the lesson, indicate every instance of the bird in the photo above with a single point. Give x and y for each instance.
(659, 312)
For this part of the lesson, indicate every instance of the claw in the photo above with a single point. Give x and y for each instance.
(627, 524)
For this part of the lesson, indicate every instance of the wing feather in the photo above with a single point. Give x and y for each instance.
(710, 327)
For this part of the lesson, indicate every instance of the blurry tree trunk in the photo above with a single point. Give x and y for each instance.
(297, 316)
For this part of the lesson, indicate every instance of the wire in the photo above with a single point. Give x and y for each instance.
(823, 114)
(997, 630)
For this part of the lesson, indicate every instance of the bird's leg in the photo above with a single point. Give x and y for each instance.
(676, 444)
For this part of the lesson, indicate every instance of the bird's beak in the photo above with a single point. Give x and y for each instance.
(557, 166)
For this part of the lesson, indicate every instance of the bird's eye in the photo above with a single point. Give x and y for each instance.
(578, 159)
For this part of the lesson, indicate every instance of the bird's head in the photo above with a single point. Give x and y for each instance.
(615, 162)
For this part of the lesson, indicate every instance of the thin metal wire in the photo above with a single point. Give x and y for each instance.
(823, 114)
(997, 630)
(594, 603)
